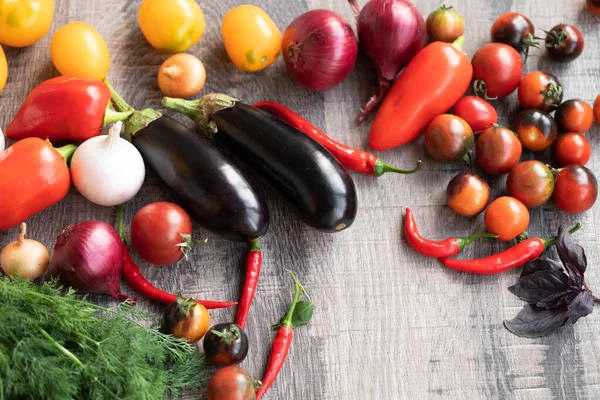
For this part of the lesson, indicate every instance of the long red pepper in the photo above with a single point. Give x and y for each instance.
(282, 342)
(253, 264)
(437, 249)
(351, 158)
(133, 277)
(513, 257)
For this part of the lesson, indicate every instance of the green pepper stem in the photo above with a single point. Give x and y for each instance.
(118, 102)
(201, 109)
(459, 43)
(381, 168)
(298, 292)
(255, 246)
(462, 242)
(66, 152)
(549, 242)
(111, 116)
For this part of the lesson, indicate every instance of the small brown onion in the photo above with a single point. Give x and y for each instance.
(25, 258)
(181, 75)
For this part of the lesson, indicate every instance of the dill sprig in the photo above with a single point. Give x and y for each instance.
(54, 345)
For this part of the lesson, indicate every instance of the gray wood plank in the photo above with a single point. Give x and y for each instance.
(389, 324)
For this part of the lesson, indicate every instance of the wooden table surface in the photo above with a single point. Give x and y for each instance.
(389, 323)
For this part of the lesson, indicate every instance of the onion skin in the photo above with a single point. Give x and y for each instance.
(88, 256)
(25, 258)
(391, 33)
(319, 49)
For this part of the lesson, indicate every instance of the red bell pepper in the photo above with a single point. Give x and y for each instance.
(430, 85)
(64, 108)
(33, 176)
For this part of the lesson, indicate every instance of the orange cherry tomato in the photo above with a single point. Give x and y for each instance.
(574, 115)
(540, 90)
(506, 217)
(530, 182)
(575, 189)
(467, 194)
(536, 129)
(497, 150)
(448, 138)
(572, 148)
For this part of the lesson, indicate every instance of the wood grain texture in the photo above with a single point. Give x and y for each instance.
(389, 324)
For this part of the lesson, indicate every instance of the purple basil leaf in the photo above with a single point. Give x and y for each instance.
(570, 253)
(533, 322)
(540, 285)
(575, 280)
(581, 306)
(558, 299)
(540, 264)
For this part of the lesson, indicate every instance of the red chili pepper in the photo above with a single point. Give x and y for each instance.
(133, 277)
(64, 108)
(437, 249)
(353, 159)
(513, 257)
(282, 342)
(430, 85)
(33, 176)
(253, 264)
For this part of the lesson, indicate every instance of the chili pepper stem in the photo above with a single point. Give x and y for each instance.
(66, 152)
(463, 242)
(381, 168)
(120, 224)
(111, 116)
(459, 43)
(201, 109)
(551, 241)
(254, 246)
(298, 293)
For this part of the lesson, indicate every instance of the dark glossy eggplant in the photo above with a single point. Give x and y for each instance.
(313, 182)
(210, 188)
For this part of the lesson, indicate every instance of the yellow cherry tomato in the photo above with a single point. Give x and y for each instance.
(171, 25)
(79, 50)
(24, 22)
(252, 40)
(3, 71)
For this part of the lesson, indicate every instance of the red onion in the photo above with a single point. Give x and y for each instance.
(319, 49)
(88, 256)
(390, 32)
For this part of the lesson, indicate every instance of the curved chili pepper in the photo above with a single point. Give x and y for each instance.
(133, 277)
(437, 249)
(33, 176)
(253, 264)
(513, 257)
(430, 85)
(65, 108)
(351, 158)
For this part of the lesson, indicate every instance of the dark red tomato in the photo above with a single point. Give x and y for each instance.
(575, 189)
(497, 150)
(156, 233)
(445, 25)
(497, 70)
(597, 109)
(530, 182)
(540, 90)
(226, 344)
(536, 129)
(574, 116)
(478, 113)
(514, 29)
(467, 194)
(564, 42)
(593, 6)
(572, 148)
(448, 138)
(231, 383)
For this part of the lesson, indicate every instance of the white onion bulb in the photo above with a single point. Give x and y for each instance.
(108, 170)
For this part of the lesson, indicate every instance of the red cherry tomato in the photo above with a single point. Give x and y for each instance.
(497, 70)
(506, 217)
(572, 148)
(530, 182)
(231, 383)
(536, 129)
(564, 42)
(156, 233)
(597, 109)
(478, 113)
(540, 90)
(448, 138)
(497, 150)
(575, 189)
(574, 116)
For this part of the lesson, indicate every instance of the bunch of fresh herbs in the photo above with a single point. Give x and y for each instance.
(556, 292)
(57, 346)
